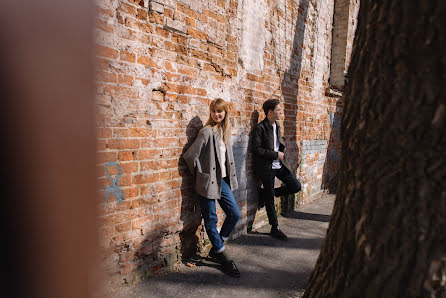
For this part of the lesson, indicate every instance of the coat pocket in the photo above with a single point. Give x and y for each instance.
(202, 181)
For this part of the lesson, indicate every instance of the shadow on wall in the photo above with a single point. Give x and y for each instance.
(190, 206)
(252, 200)
(290, 92)
(333, 156)
(158, 249)
(290, 88)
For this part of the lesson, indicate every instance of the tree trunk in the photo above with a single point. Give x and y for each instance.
(387, 233)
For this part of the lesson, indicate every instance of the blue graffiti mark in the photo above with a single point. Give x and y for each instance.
(114, 188)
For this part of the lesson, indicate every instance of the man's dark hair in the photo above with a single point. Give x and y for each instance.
(270, 104)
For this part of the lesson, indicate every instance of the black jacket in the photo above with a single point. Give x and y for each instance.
(263, 148)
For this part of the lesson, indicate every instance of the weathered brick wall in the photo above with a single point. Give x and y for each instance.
(340, 32)
(159, 64)
(344, 27)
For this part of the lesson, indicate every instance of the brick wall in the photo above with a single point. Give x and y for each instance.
(352, 24)
(159, 64)
(344, 27)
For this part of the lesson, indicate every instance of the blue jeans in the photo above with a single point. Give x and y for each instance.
(208, 211)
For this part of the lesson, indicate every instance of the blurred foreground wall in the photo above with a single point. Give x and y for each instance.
(48, 152)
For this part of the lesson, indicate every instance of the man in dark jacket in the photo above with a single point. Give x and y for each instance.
(269, 162)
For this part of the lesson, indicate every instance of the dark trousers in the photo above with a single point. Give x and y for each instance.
(290, 185)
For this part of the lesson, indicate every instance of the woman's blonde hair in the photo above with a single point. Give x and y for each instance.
(220, 104)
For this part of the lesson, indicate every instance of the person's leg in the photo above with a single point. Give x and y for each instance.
(290, 183)
(230, 207)
(209, 214)
(268, 197)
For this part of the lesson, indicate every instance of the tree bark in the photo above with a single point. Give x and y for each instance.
(387, 233)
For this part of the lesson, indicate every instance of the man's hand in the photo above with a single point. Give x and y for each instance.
(281, 155)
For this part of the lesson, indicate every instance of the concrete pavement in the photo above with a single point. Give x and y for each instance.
(269, 267)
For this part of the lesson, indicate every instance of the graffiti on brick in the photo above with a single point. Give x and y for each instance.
(114, 188)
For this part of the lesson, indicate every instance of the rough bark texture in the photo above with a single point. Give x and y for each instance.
(387, 233)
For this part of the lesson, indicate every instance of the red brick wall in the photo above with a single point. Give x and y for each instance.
(159, 64)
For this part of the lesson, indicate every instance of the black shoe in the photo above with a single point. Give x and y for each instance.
(219, 257)
(230, 269)
(277, 233)
(261, 194)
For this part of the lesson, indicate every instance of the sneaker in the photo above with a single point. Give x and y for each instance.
(261, 194)
(230, 269)
(277, 233)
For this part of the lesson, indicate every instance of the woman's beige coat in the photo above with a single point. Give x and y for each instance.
(203, 160)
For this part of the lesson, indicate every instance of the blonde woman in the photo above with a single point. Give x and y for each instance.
(211, 160)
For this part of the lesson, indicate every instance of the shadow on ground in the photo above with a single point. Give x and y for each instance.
(264, 239)
(308, 216)
(269, 267)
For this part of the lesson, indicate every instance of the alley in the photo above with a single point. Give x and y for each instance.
(269, 267)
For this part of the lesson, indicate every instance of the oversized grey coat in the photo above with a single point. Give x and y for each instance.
(203, 160)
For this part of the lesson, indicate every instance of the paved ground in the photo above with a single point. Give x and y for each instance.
(269, 267)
